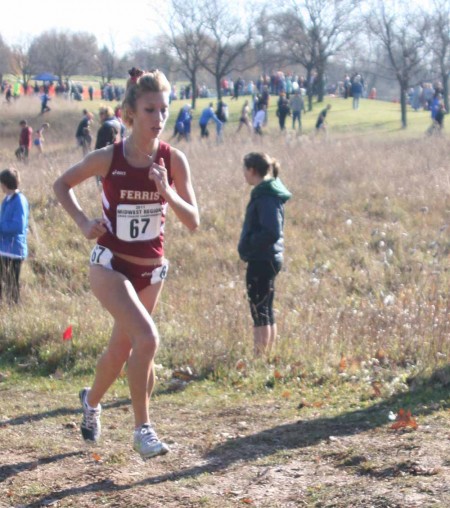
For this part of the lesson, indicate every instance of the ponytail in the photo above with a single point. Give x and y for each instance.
(262, 164)
(275, 168)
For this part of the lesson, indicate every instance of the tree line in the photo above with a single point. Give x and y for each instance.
(401, 41)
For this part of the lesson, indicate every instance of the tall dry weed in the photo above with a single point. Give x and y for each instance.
(366, 263)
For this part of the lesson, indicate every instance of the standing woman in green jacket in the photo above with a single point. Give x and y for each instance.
(261, 244)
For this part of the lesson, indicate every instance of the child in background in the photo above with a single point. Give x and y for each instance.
(39, 137)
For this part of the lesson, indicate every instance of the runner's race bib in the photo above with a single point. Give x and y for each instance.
(138, 223)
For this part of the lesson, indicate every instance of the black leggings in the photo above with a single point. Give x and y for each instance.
(261, 289)
(9, 278)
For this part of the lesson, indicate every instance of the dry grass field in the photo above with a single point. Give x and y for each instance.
(362, 305)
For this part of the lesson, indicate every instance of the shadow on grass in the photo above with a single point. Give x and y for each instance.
(62, 411)
(8, 470)
(427, 396)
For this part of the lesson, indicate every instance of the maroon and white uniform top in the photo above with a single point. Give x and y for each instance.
(133, 209)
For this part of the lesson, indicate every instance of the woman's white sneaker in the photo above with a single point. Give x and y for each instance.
(147, 443)
(90, 425)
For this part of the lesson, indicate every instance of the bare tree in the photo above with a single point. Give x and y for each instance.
(152, 54)
(227, 40)
(402, 33)
(186, 35)
(312, 31)
(439, 41)
(108, 64)
(21, 62)
(63, 53)
(296, 44)
(5, 59)
(267, 47)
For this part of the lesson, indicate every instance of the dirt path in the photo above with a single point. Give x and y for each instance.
(227, 450)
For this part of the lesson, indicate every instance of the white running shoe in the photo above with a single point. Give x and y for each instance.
(90, 425)
(147, 443)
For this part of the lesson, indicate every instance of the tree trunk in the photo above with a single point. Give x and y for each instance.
(193, 90)
(219, 88)
(320, 85)
(309, 89)
(445, 89)
(403, 95)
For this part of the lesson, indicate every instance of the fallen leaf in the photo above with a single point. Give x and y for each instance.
(277, 374)
(247, 500)
(286, 394)
(96, 457)
(404, 420)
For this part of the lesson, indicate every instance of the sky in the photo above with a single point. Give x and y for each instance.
(123, 21)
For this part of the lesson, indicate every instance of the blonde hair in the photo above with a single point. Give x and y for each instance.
(106, 110)
(141, 82)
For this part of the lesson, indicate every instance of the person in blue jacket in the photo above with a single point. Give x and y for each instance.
(207, 115)
(182, 127)
(261, 244)
(13, 235)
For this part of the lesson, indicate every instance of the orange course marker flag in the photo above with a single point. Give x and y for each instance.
(67, 334)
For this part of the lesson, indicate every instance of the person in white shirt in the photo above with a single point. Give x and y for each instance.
(259, 120)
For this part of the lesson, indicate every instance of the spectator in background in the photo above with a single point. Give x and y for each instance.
(259, 120)
(44, 103)
(222, 111)
(283, 110)
(13, 235)
(439, 116)
(182, 127)
(244, 119)
(347, 86)
(118, 115)
(261, 245)
(207, 115)
(416, 97)
(8, 94)
(297, 105)
(435, 105)
(109, 128)
(25, 140)
(83, 133)
(357, 91)
(39, 137)
(91, 92)
(321, 125)
(187, 121)
(427, 96)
